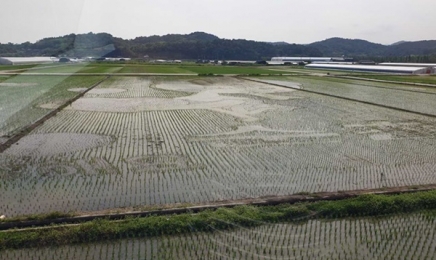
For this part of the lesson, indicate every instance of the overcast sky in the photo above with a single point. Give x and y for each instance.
(293, 21)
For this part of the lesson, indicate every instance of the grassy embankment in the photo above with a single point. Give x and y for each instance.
(221, 219)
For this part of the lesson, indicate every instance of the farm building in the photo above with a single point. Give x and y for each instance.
(26, 60)
(298, 59)
(374, 68)
(117, 59)
(333, 62)
(305, 60)
(408, 64)
(4, 61)
(241, 62)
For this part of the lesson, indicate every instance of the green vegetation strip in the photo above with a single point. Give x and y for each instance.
(220, 219)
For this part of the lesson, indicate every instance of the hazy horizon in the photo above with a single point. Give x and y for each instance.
(274, 21)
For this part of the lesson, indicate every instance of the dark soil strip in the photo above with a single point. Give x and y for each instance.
(344, 98)
(27, 129)
(262, 201)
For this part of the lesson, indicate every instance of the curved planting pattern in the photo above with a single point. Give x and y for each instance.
(162, 141)
(133, 87)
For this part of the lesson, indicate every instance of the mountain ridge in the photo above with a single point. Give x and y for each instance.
(201, 45)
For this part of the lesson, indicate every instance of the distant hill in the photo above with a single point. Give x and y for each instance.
(195, 36)
(412, 48)
(75, 45)
(279, 43)
(348, 47)
(197, 45)
(361, 48)
(396, 43)
(201, 45)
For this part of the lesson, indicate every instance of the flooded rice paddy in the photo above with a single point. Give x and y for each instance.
(136, 141)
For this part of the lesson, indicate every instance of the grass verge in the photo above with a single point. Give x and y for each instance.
(220, 219)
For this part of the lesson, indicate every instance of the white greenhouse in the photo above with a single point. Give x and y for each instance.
(375, 68)
(298, 59)
(408, 64)
(26, 60)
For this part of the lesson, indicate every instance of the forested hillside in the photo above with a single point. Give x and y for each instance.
(200, 45)
(420, 51)
(196, 45)
(337, 47)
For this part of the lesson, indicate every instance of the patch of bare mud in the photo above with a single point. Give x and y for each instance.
(19, 166)
(381, 137)
(56, 143)
(51, 105)
(385, 130)
(256, 134)
(100, 91)
(180, 86)
(77, 89)
(10, 84)
(203, 81)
